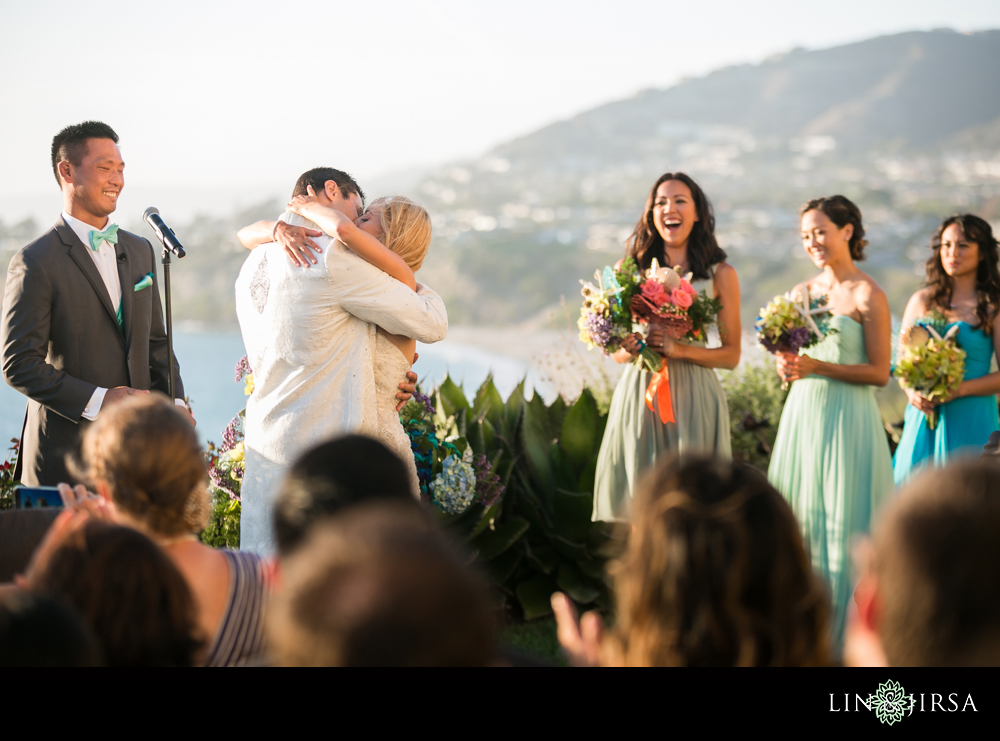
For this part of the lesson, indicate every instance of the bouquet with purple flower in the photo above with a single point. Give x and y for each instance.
(786, 325)
(606, 315)
(450, 476)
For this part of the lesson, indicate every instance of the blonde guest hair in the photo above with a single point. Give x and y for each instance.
(148, 454)
(406, 227)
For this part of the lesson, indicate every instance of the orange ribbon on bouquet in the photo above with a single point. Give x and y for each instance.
(659, 389)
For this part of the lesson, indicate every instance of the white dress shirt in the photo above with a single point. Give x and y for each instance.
(106, 260)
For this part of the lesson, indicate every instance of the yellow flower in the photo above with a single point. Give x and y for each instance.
(248, 388)
(235, 454)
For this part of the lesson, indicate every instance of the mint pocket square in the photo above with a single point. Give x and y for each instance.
(144, 283)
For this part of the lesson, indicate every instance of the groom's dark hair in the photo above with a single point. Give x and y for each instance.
(317, 178)
(71, 143)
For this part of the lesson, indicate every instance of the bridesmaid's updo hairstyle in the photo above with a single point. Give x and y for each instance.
(842, 211)
(979, 231)
(703, 249)
(715, 573)
(406, 227)
(148, 454)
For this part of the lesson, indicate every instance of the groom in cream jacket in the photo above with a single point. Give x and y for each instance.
(310, 336)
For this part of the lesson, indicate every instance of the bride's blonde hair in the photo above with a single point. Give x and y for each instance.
(406, 228)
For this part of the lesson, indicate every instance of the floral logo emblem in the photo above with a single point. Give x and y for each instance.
(890, 702)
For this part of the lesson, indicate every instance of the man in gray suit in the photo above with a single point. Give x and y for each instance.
(82, 326)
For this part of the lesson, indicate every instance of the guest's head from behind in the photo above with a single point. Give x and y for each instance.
(128, 592)
(42, 630)
(401, 225)
(144, 455)
(89, 168)
(832, 231)
(332, 477)
(932, 595)
(964, 245)
(380, 586)
(677, 214)
(715, 574)
(333, 188)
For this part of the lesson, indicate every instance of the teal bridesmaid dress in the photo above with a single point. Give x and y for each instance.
(831, 462)
(635, 437)
(964, 425)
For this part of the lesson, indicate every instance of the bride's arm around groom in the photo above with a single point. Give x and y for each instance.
(373, 296)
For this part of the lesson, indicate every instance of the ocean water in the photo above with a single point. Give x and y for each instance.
(208, 360)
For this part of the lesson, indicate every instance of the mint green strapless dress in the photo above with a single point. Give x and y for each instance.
(831, 462)
(964, 425)
(635, 438)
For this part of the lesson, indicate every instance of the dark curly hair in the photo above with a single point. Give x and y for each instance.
(715, 574)
(842, 211)
(703, 249)
(979, 231)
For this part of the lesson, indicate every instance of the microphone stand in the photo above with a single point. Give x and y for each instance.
(165, 261)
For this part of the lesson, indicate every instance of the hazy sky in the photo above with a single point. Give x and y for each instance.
(243, 96)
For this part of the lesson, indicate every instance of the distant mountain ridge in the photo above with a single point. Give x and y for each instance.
(908, 126)
(915, 89)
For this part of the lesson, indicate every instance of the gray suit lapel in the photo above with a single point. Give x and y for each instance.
(78, 253)
(125, 280)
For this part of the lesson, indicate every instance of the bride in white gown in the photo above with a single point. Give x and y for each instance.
(393, 234)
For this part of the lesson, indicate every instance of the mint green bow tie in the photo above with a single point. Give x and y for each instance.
(108, 235)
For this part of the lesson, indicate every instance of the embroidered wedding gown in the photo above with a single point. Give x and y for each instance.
(391, 368)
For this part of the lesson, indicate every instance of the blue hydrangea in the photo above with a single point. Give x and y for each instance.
(455, 487)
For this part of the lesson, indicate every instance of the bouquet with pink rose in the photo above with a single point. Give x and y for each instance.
(669, 300)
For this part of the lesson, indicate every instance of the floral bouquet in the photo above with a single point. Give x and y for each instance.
(669, 300)
(606, 315)
(786, 325)
(930, 361)
(226, 462)
(450, 475)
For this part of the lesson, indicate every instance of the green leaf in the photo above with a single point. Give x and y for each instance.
(535, 595)
(592, 567)
(512, 411)
(578, 436)
(488, 402)
(542, 556)
(572, 511)
(537, 434)
(502, 567)
(484, 521)
(452, 396)
(486, 430)
(491, 543)
(579, 588)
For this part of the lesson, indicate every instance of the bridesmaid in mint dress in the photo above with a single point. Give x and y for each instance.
(963, 283)
(831, 457)
(677, 227)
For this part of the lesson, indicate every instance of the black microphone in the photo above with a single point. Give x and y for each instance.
(152, 217)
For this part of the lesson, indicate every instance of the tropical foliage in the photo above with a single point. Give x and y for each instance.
(537, 537)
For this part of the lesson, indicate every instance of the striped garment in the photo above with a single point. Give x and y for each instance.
(240, 638)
